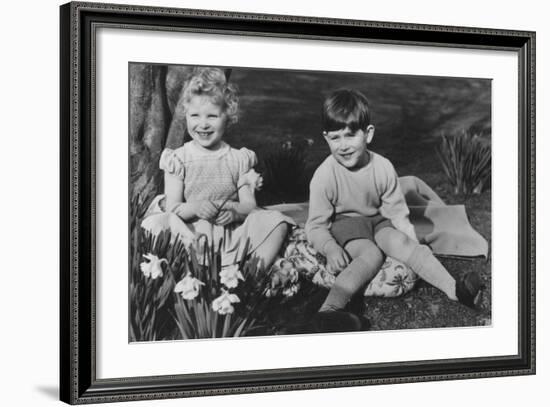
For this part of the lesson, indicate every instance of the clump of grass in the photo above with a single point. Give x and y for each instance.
(466, 161)
(199, 317)
(152, 298)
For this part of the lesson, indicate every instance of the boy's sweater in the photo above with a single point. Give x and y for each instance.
(370, 190)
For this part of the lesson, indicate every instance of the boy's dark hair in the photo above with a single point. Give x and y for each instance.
(345, 107)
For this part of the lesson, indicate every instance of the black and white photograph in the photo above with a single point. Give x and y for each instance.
(292, 202)
(267, 202)
(217, 203)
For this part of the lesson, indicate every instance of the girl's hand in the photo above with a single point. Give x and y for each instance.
(226, 217)
(337, 258)
(207, 210)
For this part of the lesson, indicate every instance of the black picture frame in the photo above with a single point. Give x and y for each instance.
(78, 381)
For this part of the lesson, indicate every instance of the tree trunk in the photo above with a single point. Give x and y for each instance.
(150, 119)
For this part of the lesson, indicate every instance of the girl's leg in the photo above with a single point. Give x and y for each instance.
(367, 260)
(418, 257)
(270, 247)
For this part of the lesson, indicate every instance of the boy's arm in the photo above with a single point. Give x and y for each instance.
(394, 206)
(320, 212)
(317, 227)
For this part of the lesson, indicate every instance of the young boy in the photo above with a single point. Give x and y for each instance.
(358, 215)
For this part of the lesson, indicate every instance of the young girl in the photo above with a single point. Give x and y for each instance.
(210, 185)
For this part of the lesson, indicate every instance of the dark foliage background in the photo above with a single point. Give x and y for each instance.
(278, 107)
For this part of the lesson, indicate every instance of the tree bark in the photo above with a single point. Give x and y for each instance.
(150, 118)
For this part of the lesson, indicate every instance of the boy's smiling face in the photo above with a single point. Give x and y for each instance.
(349, 147)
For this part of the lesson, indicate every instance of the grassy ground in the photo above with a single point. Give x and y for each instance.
(409, 114)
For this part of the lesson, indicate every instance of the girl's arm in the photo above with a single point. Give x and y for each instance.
(174, 174)
(187, 211)
(173, 189)
(247, 200)
(238, 211)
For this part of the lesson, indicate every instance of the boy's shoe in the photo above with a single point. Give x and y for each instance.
(357, 304)
(469, 288)
(339, 321)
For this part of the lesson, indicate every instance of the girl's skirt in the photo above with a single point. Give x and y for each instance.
(234, 241)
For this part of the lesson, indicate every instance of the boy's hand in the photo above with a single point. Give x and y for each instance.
(337, 258)
(206, 210)
(226, 217)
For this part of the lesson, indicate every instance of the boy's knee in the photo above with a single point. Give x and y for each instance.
(401, 242)
(419, 256)
(373, 256)
(423, 251)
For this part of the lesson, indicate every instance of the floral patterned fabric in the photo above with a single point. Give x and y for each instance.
(393, 279)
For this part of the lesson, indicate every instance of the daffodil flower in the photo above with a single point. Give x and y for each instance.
(289, 272)
(270, 293)
(153, 268)
(223, 304)
(230, 276)
(292, 290)
(253, 179)
(188, 287)
(284, 272)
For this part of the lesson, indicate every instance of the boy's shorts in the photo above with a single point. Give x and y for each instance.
(347, 228)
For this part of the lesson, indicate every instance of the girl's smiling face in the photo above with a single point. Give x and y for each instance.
(206, 122)
(349, 147)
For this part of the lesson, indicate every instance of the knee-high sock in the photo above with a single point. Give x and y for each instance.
(348, 282)
(429, 269)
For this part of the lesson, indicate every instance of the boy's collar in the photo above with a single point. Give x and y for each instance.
(370, 156)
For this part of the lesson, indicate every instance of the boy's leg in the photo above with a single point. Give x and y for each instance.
(418, 257)
(367, 260)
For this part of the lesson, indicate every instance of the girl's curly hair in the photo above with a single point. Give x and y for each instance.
(211, 82)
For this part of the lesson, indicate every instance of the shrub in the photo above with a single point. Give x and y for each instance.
(284, 174)
(466, 160)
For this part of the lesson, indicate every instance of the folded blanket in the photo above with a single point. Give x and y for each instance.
(445, 228)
